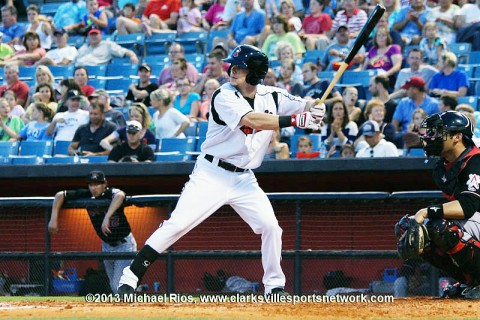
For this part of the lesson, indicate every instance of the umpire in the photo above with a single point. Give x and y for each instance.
(449, 239)
(109, 222)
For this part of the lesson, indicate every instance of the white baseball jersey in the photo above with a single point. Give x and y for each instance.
(227, 139)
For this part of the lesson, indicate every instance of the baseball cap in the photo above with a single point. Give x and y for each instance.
(72, 93)
(99, 92)
(60, 31)
(93, 31)
(342, 26)
(96, 176)
(145, 66)
(133, 126)
(369, 128)
(223, 46)
(414, 81)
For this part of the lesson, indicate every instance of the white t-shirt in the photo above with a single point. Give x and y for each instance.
(383, 148)
(471, 13)
(167, 125)
(66, 130)
(57, 55)
(445, 32)
(227, 139)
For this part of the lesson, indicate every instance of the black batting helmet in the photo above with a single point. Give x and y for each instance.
(436, 128)
(251, 58)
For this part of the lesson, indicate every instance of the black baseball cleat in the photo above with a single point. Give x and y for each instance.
(454, 291)
(472, 293)
(125, 289)
(279, 291)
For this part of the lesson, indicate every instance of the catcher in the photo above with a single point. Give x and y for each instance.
(447, 235)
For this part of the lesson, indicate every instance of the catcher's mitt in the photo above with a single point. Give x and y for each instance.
(412, 238)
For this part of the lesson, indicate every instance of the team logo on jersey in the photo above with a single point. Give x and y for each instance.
(473, 182)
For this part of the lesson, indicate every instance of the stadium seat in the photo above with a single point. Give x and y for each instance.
(215, 34)
(198, 144)
(63, 160)
(133, 41)
(194, 41)
(474, 57)
(95, 72)
(174, 144)
(313, 56)
(94, 159)
(116, 85)
(36, 148)
(158, 43)
(26, 73)
(152, 60)
(7, 148)
(120, 61)
(462, 51)
(61, 147)
(191, 131)
(25, 160)
(169, 156)
(202, 128)
(123, 71)
(328, 75)
(97, 83)
(414, 152)
(62, 72)
(76, 41)
(467, 68)
(471, 100)
(360, 80)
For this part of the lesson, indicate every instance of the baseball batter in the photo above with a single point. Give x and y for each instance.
(243, 115)
(452, 232)
(109, 223)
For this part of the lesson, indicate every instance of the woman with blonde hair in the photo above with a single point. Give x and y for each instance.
(168, 121)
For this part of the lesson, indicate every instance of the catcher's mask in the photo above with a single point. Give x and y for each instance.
(250, 58)
(436, 128)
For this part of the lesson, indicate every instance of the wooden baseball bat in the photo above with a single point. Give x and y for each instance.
(359, 42)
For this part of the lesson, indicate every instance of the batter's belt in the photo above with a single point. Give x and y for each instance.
(224, 165)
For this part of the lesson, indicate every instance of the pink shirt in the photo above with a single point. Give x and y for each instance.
(214, 14)
(41, 51)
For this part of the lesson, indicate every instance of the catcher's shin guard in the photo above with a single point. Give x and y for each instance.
(454, 251)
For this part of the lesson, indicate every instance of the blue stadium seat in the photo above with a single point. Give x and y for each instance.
(215, 34)
(169, 156)
(48, 9)
(94, 159)
(61, 147)
(474, 57)
(158, 43)
(274, 63)
(462, 51)
(26, 73)
(191, 131)
(25, 159)
(202, 128)
(414, 152)
(174, 144)
(198, 143)
(471, 100)
(97, 83)
(157, 59)
(124, 71)
(7, 148)
(76, 41)
(467, 68)
(194, 41)
(36, 148)
(96, 71)
(133, 41)
(62, 72)
(59, 160)
(120, 62)
(359, 80)
(328, 75)
(118, 84)
(313, 56)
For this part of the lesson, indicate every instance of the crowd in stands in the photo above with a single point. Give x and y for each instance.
(65, 72)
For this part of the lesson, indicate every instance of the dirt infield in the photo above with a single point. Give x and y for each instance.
(406, 308)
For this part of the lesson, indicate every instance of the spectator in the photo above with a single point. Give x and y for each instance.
(276, 148)
(12, 30)
(468, 111)
(141, 92)
(347, 151)
(317, 87)
(168, 121)
(187, 102)
(15, 108)
(350, 99)
(270, 78)
(431, 45)
(80, 76)
(410, 21)
(112, 115)
(447, 103)
(383, 22)
(63, 54)
(9, 125)
(97, 51)
(127, 23)
(443, 17)
(138, 112)
(179, 70)
(70, 84)
(416, 98)
(467, 21)
(210, 86)
(246, 25)
(190, 18)
(379, 89)
(132, 150)
(417, 68)
(339, 129)
(304, 148)
(69, 13)
(43, 75)
(375, 111)
(175, 52)
(377, 146)
(214, 71)
(213, 19)
(28, 56)
(316, 26)
(284, 51)
(281, 33)
(352, 16)
(448, 80)
(64, 124)
(44, 94)
(94, 19)
(392, 7)
(337, 51)
(40, 25)
(12, 83)
(5, 49)
(86, 141)
(285, 79)
(384, 56)
(36, 129)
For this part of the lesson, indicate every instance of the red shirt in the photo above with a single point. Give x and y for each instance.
(88, 90)
(162, 8)
(317, 25)
(20, 88)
